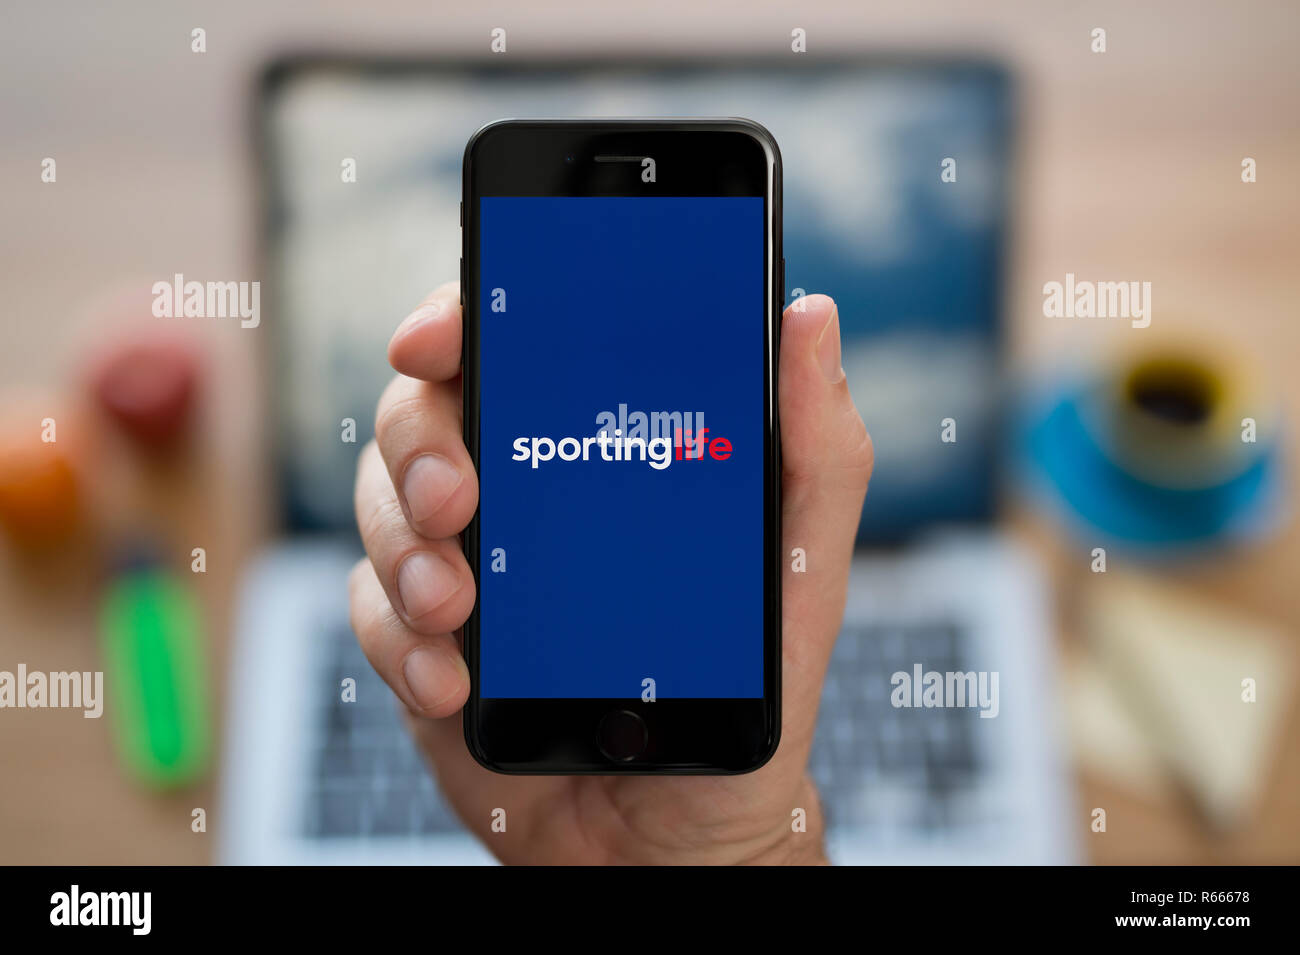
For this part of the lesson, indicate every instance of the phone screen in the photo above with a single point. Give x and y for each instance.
(621, 441)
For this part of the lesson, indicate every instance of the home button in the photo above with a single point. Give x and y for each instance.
(622, 735)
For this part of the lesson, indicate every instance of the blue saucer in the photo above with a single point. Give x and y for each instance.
(1105, 498)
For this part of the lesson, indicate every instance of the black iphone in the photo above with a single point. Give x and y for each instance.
(622, 282)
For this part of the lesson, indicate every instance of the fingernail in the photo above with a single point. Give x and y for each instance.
(425, 582)
(430, 675)
(429, 480)
(828, 348)
(424, 313)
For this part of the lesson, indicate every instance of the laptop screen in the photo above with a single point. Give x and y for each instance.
(895, 204)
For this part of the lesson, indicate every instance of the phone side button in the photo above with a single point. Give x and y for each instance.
(622, 735)
(462, 283)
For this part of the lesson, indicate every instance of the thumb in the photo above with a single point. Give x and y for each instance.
(826, 463)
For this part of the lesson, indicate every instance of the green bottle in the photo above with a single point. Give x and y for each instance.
(155, 676)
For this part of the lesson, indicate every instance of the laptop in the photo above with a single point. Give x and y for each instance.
(914, 262)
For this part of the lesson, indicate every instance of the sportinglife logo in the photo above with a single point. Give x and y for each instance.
(658, 439)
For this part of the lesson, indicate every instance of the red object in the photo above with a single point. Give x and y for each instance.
(148, 388)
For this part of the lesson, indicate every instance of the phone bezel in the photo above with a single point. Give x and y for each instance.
(542, 736)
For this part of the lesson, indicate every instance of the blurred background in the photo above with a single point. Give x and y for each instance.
(1099, 512)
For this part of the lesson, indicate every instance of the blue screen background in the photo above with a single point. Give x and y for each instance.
(616, 571)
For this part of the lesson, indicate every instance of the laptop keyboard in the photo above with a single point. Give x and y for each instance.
(877, 767)
(885, 768)
(368, 779)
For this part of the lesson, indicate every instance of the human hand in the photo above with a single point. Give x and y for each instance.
(416, 490)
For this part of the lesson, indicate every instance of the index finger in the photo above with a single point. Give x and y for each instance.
(427, 343)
